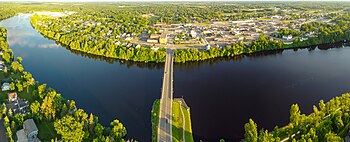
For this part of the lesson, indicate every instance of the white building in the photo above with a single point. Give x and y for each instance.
(193, 33)
(29, 132)
(5, 87)
(154, 48)
(287, 37)
(207, 47)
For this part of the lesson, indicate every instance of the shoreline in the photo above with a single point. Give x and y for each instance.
(106, 58)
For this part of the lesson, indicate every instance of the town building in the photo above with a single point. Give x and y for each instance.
(12, 96)
(287, 37)
(2, 67)
(152, 40)
(5, 86)
(154, 36)
(29, 132)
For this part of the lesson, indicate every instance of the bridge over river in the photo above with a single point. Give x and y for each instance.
(165, 115)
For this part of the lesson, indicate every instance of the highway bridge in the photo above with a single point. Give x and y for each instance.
(165, 109)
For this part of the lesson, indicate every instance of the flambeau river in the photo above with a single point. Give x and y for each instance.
(222, 93)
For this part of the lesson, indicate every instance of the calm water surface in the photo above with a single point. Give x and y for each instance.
(223, 93)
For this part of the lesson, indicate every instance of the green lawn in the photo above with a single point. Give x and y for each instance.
(155, 116)
(29, 96)
(46, 131)
(178, 122)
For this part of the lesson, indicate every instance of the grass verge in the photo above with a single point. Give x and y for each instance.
(46, 132)
(155, 114)
(179, 118)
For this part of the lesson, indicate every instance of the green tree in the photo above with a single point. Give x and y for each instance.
(118, 130)
(41, 90)
(251, 132)
(70, 129)
(19, 86)
(18, 119)
(331, 137)
(294, 114)
(19, 59)
(12, 86)
(35, 108)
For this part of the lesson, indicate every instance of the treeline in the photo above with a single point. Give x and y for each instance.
(99, 43)
(336, 31)
(261, 44)
(48, 107)
(328, 123)
(96, 43)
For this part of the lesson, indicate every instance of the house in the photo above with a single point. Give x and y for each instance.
(303, 38)
(287, 37)
(207, 47)
(128, 38)
(2, 67)
(154, 36)
(193, 33)
(287, 43)
(152, 40)
(276, 17)
(12, 96)
(207, 32)
(187, 25)
(29, 132)
(5, 86)
(154, 48)
(30, 129)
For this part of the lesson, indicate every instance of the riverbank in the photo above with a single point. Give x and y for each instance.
(109, 49)
(45, 106)
(329, 121)
(181, 128)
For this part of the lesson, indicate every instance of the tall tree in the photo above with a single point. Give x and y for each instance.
(251, 132)
(70, 129)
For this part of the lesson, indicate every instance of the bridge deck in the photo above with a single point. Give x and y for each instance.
(165, 115)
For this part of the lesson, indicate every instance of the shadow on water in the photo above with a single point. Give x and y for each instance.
(197, 64)
(129, 64)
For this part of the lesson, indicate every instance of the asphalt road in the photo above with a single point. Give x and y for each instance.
(3, 137)
(165, 115)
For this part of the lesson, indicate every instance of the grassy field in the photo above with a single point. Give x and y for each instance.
(46, 131)
(155, 114)
(178, 123)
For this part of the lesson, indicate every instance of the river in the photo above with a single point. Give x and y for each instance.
(222, 93)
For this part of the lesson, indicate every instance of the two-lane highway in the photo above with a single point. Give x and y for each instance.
(165, 115)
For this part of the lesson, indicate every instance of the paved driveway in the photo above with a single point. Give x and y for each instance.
(3, 137)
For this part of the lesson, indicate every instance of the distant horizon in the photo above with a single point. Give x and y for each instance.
(83, 1)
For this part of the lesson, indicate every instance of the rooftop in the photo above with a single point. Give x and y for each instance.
(29, 126)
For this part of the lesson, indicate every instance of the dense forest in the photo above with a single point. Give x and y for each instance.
(328, 123)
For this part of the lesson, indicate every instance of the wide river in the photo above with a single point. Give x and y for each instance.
(222, 93)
